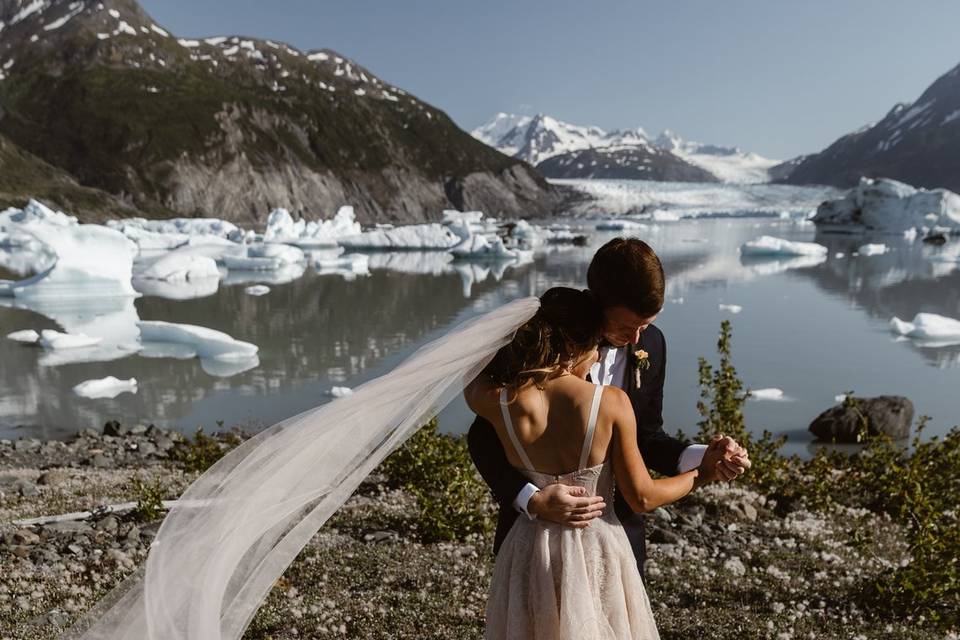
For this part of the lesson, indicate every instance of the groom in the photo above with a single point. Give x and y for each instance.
(626, 279)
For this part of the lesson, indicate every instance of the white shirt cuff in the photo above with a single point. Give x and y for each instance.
(690, 459)
(523, 498)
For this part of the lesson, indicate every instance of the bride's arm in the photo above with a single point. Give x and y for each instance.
(641, 492)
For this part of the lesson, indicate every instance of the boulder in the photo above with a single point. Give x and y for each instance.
(889, 415)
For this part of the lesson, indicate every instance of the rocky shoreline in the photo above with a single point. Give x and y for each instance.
(725, 562)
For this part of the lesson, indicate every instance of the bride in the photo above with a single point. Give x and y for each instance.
(553, 581)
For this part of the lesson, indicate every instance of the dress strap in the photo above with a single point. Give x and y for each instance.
(591, 427)
(505, 411)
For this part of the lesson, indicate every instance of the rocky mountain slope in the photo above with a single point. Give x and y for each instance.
(233, 126)
(562, 150)
(915, 143)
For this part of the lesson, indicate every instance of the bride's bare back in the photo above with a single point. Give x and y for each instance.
(550, 422)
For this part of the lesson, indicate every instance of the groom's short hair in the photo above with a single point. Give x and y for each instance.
(626, 272)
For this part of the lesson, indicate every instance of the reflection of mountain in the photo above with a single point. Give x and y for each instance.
(902, 282)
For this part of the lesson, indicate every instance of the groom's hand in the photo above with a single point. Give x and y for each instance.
(723, 460)
(566, 504)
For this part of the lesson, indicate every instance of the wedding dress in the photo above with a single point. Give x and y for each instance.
(554, 582)
(222, 547)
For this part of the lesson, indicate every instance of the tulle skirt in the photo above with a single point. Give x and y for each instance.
(552, 582)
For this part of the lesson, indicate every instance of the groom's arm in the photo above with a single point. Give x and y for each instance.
(504, 480)
(662, 452)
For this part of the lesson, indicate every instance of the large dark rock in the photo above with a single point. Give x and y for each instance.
(890, 415)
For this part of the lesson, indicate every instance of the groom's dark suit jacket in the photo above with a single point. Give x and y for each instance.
(660, 451)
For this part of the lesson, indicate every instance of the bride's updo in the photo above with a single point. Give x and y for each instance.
(568, 324)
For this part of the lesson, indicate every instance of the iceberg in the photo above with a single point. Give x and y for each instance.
(50, 339)
(264, 257)
(340, 392)
(432, 236)
(88, 260)
(770, 394)
(179, 266)
(929, 329)
(622, 225)
(316, 233)
(26, 336)
(888, 206)
(770, 246)
(872, 249)
(177, 289)
(182, 226)
(208, 343)
(349, 266)
(479, 247)
(109, 387)
(257, 290)
(731, 308)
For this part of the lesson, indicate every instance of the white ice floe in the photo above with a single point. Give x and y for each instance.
(185, 226)
(769, 394)
(281, 227)
(333, 262)
(929, 329)
(430, 236)
(888, 206)
(87, 260)
(26, 336)
(50, 339)
(622, 225)
(257, 290)
(208, 343)
(872, 249)
(480, 247)
(109, 387)
(180, 266)
(177, 289)
(773, 247)
(731, 308)
(340, 392)
(264, 257)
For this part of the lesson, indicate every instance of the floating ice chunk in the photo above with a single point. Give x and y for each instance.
(50, 339)
(731, 308)
(771, 246)
(350, 266)
(839, 254)
(929, 328)
(480, 247)
(177, 289)
(257, 290)
(770, 394)
(264, 257)
(109, 387)
(621, 225)
(340, 392)
(872, 249)
(316, 233)
(151, 240)
(664, 216)
(840, 397)
(892, 207)
(175, 350)
(431, 236)
(179, 266)
(26, 336)
(208, 343)
(91, 260)
(188, 226)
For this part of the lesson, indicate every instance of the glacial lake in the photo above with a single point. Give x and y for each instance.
(812, 329)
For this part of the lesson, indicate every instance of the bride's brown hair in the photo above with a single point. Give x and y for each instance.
(568, 324)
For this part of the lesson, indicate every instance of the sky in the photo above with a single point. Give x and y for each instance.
(775, 77)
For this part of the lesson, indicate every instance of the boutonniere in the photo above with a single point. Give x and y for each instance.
(641, 362)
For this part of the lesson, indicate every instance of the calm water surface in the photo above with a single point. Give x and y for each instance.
(813, 330)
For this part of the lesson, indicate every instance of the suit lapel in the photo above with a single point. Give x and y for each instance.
(631, 372)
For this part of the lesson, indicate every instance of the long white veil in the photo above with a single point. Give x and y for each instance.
(239, 525)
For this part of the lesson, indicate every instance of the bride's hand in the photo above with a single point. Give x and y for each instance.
(723, 460)
(565, 504)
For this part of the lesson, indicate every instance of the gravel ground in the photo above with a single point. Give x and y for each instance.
(724, 563)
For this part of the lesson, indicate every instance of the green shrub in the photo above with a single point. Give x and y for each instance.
(436, 468)
(149, 499)
(200, 453)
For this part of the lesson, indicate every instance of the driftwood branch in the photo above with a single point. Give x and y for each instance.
(85, 515)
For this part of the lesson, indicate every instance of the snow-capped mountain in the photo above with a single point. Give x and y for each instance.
(540, 138)
(916, 143)
(227, 125)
